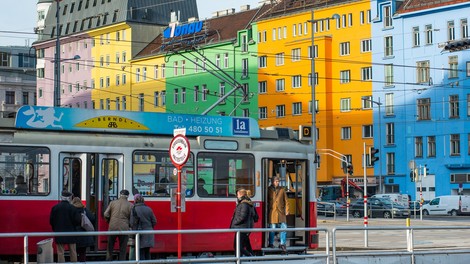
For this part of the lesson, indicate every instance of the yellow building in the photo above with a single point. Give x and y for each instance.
(342, 46)
(113, 76)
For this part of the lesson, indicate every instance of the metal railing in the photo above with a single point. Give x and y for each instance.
(238, 258)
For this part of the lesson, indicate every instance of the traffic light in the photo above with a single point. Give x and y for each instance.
(426, 171)
(412, 175)
(350, 169)
(344, 165)
(372, 152)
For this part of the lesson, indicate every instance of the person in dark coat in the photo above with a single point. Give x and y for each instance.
(83, 241)
(243, 218)
(143, 218)
(65, 217)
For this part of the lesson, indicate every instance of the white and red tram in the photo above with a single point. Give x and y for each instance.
(116, 150)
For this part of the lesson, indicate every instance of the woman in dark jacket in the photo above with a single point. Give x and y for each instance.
(83, 241)
(243, 218)
(143, 218)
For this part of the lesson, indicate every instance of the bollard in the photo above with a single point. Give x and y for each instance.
(409, 241)
(45, 252)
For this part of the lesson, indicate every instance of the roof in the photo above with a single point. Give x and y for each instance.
(216, 30)
(417, 5)
(83, 15)
(283, 7)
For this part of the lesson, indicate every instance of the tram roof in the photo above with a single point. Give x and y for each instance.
(108, 121)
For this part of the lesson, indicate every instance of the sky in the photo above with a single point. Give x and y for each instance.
(20, 16)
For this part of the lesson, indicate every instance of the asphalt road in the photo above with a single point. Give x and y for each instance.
(436, 237)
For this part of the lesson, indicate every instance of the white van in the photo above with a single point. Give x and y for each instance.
(401, 199)
(448, 205)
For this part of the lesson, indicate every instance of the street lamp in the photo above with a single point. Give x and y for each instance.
(379, 104)
(312, 21)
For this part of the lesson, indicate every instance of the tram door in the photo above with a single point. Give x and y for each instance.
(97, 180)
(294, 180)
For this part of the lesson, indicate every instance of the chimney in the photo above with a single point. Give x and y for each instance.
(244, 7)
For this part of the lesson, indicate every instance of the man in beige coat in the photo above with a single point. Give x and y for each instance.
(118, 216)
(278, 210)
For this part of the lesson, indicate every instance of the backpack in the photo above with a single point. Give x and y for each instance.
(86, 223)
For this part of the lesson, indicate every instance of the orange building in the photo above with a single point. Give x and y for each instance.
(342, 47)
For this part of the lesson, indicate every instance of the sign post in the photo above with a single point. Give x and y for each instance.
(179, 154)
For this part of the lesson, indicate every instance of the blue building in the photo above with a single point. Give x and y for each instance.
(421, 83)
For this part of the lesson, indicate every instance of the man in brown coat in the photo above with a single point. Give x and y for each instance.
(118, 215)
(278, 210)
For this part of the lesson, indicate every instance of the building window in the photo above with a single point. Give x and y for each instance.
(262, 112)
(387, 16)
(453, 67)
(344, 48)
(204, 92)
(367, 131)
(345, 76)
(346, 133)
(390, 133)
(155, 71)
(416, 36)
(297, 81)
(156, 97)
(117, 103)
(450, 30)
(362, 17)
(124, 57)
(428, 34)
(390, 163)
(297, 108)
(137, 75)
(432, 146)
(124, 103)
(244, 68)
(124, 78)
(345, 104)
(141, 102)
(468, 104)
(183, 67)
(108, 81)
(175, 68)
(262, 61)
(418, 147)
(183, 95)
(226, 60)
(388, 70)
(196, 93)
(455, 145)
(163, 95)
(10, 97)
(175, 97)
(244, 43)
(424, 109)
(279, 59)
(422, 71)
(366, 74)
(367, 102)
(454, 106)
(262, 87)
(217, 60)
(222, 90)
(315, 51)
(295, 54)
(388, 49)
(463, 28)
(389, 105)
(163, 70)
(280, 85)
(366, 45)
(280, 110)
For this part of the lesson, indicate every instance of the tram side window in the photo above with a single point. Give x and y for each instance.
(221, 174)
(24, 170)
(155, 175)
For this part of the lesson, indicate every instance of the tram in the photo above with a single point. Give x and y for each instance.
(96, 153)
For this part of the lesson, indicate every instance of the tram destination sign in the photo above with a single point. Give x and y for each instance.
(76, 119)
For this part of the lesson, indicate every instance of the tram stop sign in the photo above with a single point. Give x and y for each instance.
(179, 151)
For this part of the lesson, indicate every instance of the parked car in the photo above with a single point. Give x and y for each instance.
(402, 199)
(379, 207)
(415, 206)
(448, 205)
(329, 208)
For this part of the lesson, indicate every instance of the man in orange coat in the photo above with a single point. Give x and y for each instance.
(278, 210)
